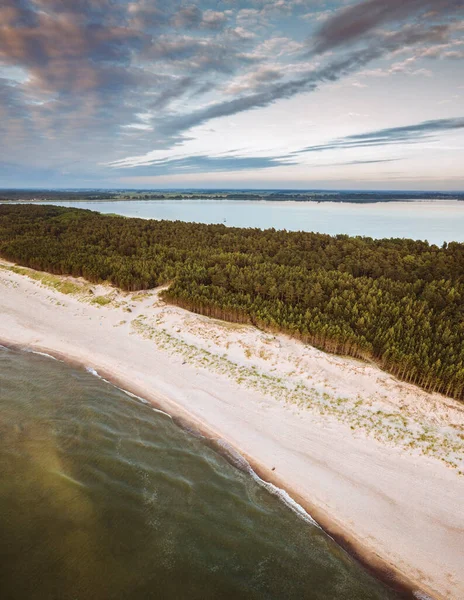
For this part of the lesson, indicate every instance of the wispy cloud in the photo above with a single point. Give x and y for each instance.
(238, 160)
(337, 68)
(408, 134)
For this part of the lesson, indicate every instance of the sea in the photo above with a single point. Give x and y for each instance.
(436, 221)
(103, 497)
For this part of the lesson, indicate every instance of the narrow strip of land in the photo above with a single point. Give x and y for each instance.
(376, 461)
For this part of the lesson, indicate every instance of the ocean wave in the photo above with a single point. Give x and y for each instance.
(144, 401)
(94, 372)
(241, 463)
(422, 596)
(30, 351)
(286, 499)
(234, 457)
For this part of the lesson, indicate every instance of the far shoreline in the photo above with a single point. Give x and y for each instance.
(280, 201)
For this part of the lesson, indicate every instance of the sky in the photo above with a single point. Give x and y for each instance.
(288, 94)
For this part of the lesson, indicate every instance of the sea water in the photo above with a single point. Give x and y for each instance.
(104, 498)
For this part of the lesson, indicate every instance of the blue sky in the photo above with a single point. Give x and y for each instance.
(232, 93)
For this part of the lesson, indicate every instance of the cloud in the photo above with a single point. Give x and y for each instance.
(337, 68)
(408, 134)
(214, 19)
(357, 162)
(254, 80)
(152, 14)
(189, 17)
(198, 54)
(86, 82)
(204, 163)
(88, 68)
(366, 162)
(354, 23)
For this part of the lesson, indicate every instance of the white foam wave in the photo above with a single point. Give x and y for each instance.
(94, 372)
(286, 499)
(40, 353)
(144, 401)
(422, 596)
(235, 457)
(239, 461)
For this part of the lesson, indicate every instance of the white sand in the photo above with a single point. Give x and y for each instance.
(375, 461)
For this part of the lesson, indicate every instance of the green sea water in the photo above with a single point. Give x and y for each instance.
(102, 498)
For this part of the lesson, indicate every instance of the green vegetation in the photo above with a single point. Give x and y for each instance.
(50, 281)
(364, 197)
(101, 300)
(398, 302)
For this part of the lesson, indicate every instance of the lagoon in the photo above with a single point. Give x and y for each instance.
(437, 221)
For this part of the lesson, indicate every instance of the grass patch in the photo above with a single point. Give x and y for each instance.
(101, 300)
(67, 287)
(139, 297)
(385, 427)
(54, 282)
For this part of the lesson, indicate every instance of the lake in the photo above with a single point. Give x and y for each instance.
(436, 221)
(104, 498)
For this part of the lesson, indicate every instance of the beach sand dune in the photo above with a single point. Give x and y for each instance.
(378, 463)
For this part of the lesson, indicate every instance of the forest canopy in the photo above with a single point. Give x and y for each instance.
(398, 302)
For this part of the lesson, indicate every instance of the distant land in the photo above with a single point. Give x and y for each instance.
(353, 196)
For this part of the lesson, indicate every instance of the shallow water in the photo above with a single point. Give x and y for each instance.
(435, 221)
(101, 497)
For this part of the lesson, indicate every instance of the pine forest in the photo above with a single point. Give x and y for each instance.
(397, 302)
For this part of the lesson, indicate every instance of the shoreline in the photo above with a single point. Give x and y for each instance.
(400, 204)
(68, 328)
(453, 202)
(183, 419)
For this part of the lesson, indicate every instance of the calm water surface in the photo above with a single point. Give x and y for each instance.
(103, 498)
(437, 221)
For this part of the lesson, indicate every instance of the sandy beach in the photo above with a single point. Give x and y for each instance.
(378, 463)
